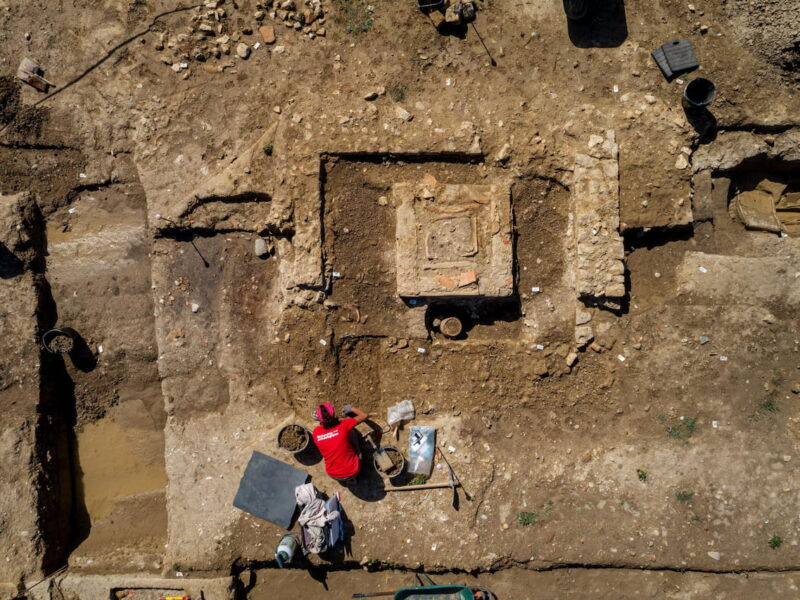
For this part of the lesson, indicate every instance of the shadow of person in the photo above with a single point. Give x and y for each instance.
(369, 486)
(604, 26)
(703, 122)
(310, 456)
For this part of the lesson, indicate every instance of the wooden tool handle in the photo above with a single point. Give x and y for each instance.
(424, 486)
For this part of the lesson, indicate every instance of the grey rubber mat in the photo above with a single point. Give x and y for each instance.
(266, 489)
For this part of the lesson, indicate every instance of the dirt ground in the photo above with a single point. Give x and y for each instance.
(220, 233)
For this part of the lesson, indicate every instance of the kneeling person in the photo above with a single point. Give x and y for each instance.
(338, 441)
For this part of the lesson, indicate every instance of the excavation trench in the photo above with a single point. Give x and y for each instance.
(515, 583)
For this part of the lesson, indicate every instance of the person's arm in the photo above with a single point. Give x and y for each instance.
(359, 415)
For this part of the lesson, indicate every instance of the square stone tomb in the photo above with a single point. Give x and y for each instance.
(453, 239)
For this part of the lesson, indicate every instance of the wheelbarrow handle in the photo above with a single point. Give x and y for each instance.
(373, 594)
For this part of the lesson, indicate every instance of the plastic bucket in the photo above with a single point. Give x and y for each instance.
(292, 426)
(54, 345)
(700, 92)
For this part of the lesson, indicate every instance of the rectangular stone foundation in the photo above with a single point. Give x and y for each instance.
(600, 271)
(453, 239)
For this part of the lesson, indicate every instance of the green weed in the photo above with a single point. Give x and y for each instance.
(683, 429)
(397, 92)
(417, 480)
(532, 517)
(775, 542)
(684, 496)
(267, 149)
(642, 475)
(769, 405)
(355, 16)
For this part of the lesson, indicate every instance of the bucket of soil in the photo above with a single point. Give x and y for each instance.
(58, 341)
(293, 438)
(451, 327)
(397, 458)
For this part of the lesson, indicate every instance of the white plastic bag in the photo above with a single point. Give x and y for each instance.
(402, 411)
(421, 446)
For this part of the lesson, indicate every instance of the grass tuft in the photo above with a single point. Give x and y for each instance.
(397, 92)
(770, 405)
(355, 16)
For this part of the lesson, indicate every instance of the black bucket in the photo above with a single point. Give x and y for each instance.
(700, 92)
(59, 341)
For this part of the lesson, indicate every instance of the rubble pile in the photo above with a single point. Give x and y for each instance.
(302, 15)
(214, 35)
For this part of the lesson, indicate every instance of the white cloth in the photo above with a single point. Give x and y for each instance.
(313, 513)
(314, 517)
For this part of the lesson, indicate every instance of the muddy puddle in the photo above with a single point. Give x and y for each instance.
(117, 462)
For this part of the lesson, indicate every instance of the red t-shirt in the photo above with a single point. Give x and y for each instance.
(334, 444)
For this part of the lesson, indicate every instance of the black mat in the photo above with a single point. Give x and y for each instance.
(266, 489)
(675, 57)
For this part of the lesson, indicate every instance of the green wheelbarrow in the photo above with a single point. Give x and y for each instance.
(428, 590)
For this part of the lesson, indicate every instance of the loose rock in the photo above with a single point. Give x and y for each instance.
(402, 114)
(242, 51)
(267, 34)
(261, 249)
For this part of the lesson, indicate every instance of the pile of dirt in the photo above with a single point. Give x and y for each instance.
(61, 344)
(293, 438)
(770, 26)
(22, 121)
(9, 99)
